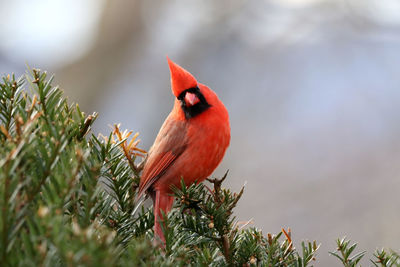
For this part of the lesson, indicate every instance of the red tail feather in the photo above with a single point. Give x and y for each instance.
(162, 203)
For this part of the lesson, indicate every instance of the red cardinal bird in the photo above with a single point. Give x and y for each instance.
(190, 144)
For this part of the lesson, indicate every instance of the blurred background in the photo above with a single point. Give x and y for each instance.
(312, 87)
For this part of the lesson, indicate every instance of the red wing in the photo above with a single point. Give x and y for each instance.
(168, 146)
(160, 165)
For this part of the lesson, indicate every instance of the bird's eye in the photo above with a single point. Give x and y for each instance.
(191, 99)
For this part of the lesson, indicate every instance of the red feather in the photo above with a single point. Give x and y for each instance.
(169, 144)
(185, 147)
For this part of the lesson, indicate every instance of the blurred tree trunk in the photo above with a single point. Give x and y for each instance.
(120, 29)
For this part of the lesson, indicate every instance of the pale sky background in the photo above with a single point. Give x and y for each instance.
(312, 88)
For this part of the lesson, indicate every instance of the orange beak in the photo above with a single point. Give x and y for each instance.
(191, 99)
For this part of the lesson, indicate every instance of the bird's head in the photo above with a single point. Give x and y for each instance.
(191, 95)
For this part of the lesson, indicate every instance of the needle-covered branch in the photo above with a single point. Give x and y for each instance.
(67, 198)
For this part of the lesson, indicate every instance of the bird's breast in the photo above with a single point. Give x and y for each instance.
(207, 140)
(206, 148)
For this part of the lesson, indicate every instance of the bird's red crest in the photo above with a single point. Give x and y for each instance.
(181, 79)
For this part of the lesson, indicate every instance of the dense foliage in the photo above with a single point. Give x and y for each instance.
(67, 198)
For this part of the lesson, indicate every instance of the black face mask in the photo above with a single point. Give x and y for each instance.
(196, 109)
